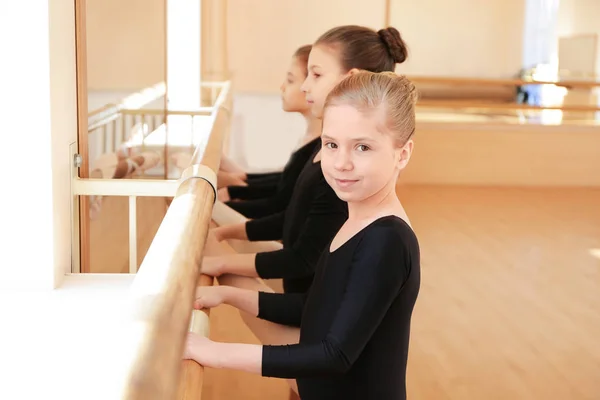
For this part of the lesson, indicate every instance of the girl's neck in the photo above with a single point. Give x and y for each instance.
(313, 127)
(383, 203)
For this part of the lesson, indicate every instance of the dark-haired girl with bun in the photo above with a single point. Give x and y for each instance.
(345, 50)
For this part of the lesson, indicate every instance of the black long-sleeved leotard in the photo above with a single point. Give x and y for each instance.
(262, 197)
(264, 177)
(309, 222)
(355, 320)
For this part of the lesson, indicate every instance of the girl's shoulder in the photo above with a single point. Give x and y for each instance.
(388, 232)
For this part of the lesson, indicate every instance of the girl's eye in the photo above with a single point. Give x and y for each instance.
(316, 75)
(330, 145)
(362, 147)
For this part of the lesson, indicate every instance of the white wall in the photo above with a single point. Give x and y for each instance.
(262, 135)
(34, 207)
(580, 17)
(472, 38)
(446, 38)
(125, 44)
(264, 34)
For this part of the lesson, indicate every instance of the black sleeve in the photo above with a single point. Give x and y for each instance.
(271, 178)
(266, 228)
(256, 208)
(266, 176)
(268, 203)
(252, 191)
(325, 217)
(380, 266)
(281, 308)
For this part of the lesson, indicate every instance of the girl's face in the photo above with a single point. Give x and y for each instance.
(358, 159)
(292, 96)
(324, 73)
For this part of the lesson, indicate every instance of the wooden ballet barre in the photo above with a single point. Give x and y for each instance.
(163, 291)
(191, 379)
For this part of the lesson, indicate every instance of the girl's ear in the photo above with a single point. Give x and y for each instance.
(405, 154)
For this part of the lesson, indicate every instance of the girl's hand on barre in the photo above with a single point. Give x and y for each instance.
(223, 195)
(244, 357)
(225, 179)
(210, 296)
(240, 176)
(212, 265)
(200, 349)
(236, 231)
(213, 296)
(219, 233)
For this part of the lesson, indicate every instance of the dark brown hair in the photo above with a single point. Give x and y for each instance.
(302, 55)
(363, 48)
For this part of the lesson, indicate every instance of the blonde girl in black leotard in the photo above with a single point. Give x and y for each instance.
(354, 322)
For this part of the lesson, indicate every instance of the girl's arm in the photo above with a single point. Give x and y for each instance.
(281, 308)
(242, 357)
(237, 264)
(234, 231)
(379, 269)
(266, 228)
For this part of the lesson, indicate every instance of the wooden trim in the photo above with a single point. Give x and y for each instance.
(226, 73)
(82, 129)
(166, 97)
(387, 13)
(463, 104)
(508, 155)
(458, 81)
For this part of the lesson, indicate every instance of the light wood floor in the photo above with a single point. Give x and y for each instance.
(510, 300)
(509, 306)
(109, 232)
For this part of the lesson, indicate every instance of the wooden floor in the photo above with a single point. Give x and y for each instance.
(509, 306)
(109, 232)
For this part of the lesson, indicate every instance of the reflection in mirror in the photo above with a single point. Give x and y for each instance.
(148, 109)
(126, 94)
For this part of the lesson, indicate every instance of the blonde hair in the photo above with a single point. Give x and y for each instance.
(393, 94)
